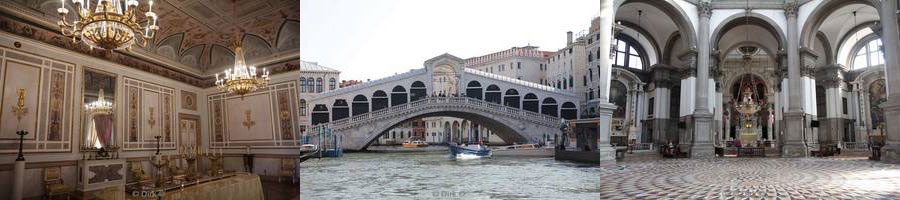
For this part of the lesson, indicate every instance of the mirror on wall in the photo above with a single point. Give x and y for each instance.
(98, 121)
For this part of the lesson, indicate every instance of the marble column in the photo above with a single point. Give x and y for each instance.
(604, 108)
(701, 146)
(793, 134)
(831, 128)
(891, 150)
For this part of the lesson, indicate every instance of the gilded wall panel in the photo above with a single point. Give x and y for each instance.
(150, 111)
(42, 86)
(264, 118)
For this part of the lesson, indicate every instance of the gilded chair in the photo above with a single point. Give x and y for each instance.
(53, 183)
(140, 176)
(176, 174)
(287, 170)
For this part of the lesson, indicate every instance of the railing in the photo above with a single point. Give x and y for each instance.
(374, 82)
(517, 81)
(441, 102)
(856, 146)
(643, 146)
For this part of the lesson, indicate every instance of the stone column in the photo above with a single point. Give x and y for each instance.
(604, 108)
(831, 128)
(793, 138)
(891, 150)
(701, 146)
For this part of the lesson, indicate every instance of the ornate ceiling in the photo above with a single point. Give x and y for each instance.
(199, 34)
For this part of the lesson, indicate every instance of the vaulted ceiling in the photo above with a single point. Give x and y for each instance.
(199, 34)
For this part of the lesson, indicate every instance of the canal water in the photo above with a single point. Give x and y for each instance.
(434, 175)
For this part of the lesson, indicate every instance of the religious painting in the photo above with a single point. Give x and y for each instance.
(877, 97)
(618, 96)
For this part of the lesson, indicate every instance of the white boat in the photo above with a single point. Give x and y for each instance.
(474, 151)
(524, 150)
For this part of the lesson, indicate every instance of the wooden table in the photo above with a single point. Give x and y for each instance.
(237, 186)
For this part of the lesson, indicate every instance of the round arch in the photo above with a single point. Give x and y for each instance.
(379, 100)
(549, 107)
(340, 109)
(360, 105)
(499, 127)
(511, 98)
(568, 111)
(671, 9)
(398, 96)
(820, 14)
(765, 83)
(757, 19)
(492, 94)
(473, 89)
(530, 103)
(417, 91)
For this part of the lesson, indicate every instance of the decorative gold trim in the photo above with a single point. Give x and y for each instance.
(248, 122)
(152, 120)
(20, 110)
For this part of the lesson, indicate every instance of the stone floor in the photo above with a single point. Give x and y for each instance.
(752, 178)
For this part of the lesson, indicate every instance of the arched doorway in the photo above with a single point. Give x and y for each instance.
(473, 90)
(549, 107)
(339, 110)
(568, 111)
(398, 96)
(511, 98)
(492, 94)
(530, 103)
(417, 91)
(360, 105)
(319, 114)
(379, 100)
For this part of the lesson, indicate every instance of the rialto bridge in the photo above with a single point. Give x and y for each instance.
(515, 110)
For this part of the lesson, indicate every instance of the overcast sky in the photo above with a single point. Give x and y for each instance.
(372, 39)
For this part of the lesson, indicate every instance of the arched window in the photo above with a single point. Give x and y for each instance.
(627, 54)
(868, 54)
(302, 107)
(310, 85)
(302, 84)
(319, 85)
(331, 84)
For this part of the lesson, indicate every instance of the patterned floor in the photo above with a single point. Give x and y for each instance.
(752, 178)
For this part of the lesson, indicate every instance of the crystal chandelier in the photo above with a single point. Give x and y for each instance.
(100, 106)
(109, 24)
(241, 78)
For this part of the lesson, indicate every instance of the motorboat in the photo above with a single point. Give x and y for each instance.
(523, 150)
(414, 144)
(474, 151)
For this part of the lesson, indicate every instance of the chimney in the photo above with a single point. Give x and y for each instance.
(569, 38)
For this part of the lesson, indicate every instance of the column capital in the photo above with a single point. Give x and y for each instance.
(704, 9)
(808, 71)
(790, 9)
(688, 72)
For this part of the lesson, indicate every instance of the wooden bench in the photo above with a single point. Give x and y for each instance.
(751, 152)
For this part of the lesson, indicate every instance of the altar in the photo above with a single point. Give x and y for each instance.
(749, 136)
